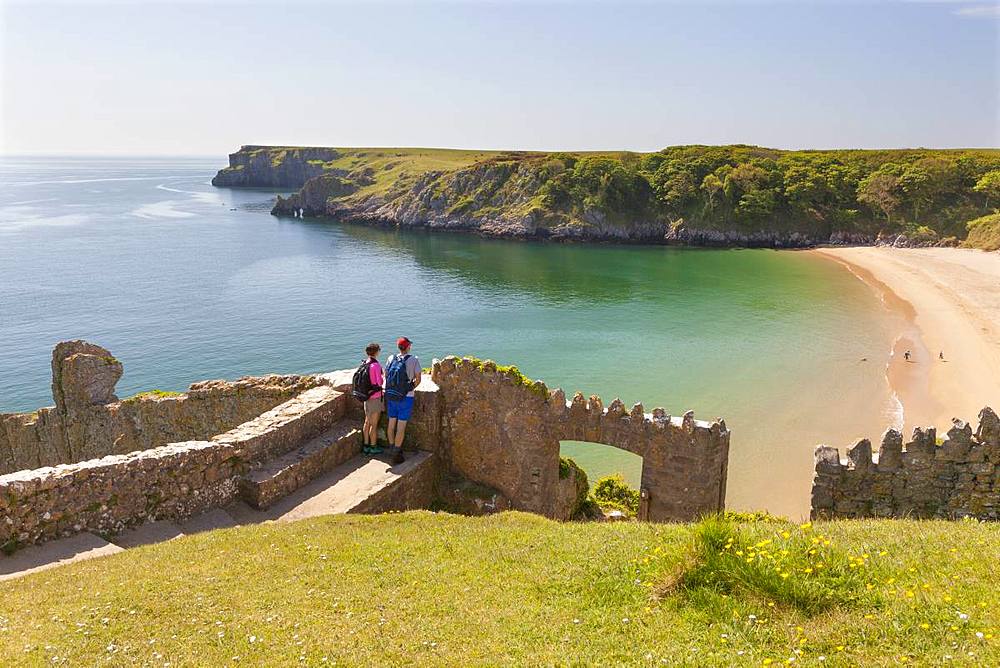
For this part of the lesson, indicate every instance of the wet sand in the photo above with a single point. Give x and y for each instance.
(949, 302)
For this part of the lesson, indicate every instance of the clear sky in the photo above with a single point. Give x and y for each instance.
(198, 78)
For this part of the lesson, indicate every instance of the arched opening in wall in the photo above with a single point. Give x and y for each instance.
(601, 461)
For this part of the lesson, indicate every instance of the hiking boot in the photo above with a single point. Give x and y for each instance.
(376, 450)
(398, 458)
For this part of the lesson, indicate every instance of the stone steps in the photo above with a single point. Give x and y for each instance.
(281, 476)
(361, 484)
(288, 425)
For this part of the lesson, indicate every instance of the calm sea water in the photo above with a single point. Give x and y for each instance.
(184, 281)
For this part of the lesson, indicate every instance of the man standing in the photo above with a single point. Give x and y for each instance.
(402, 375)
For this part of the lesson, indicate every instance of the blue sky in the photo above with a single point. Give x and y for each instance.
(201, 79)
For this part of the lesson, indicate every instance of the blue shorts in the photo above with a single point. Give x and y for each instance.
(400, 410)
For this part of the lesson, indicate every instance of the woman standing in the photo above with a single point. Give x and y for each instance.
(373, 404)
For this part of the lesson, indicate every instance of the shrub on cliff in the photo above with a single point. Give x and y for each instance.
(984, 233)
(613, 493)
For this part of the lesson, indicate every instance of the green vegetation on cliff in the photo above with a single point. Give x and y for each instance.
(435, 589)
(701, 194)
(984, 233)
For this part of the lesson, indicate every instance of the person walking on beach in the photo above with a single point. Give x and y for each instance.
(402, 375)
(906, 355)
(367, 388)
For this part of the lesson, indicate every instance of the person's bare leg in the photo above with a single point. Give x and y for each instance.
(400, 432)
(390, 429)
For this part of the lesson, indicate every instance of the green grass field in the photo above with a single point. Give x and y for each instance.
(436, 589)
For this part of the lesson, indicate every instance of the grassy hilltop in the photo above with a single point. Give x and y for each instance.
(744, 195)
(437, 589)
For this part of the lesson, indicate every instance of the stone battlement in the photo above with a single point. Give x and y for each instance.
(503, 430)
(94, 463)
(925, 478)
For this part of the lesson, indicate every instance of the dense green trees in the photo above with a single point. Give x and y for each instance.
(989, 185)
(698, 194)
(815, 192)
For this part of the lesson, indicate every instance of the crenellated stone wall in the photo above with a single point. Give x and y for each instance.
(503, 430)
(88, 421)
(925, 478)
(94, 463)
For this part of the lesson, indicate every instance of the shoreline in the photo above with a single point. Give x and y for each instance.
(948, 301)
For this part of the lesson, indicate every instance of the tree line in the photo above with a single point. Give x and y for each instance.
(922, 192)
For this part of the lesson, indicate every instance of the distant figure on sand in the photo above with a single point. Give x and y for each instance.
(367, 388)
(941, 355)
(402, 375)
(906, 355)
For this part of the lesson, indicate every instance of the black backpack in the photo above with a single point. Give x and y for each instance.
(361, 385)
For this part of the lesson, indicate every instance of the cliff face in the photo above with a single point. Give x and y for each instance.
(274, 167)
(504, 197)
(511, 197)
(690, 195)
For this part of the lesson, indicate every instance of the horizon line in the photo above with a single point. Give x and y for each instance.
(5, 155)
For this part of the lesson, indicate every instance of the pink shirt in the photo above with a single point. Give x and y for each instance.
(375, 375)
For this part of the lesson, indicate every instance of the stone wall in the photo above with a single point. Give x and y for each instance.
(423, 430)
(492, 437)
(174, 481)
(958, 477)
(89, 422)
(110, 494)
(415, 490)
(502, 430)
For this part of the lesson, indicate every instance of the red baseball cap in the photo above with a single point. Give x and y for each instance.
(403, 342)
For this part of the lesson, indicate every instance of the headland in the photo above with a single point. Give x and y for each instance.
(735, 195)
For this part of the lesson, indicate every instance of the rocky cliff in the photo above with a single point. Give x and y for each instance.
(274, 167)
(699, 196)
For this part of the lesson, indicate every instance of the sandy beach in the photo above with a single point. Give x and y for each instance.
(949, 302)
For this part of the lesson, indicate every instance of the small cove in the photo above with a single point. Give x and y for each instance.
(183, 282)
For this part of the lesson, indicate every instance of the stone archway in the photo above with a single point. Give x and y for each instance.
(600, 461)
(501, 429)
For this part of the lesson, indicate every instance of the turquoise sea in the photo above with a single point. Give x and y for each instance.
(183, 281)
